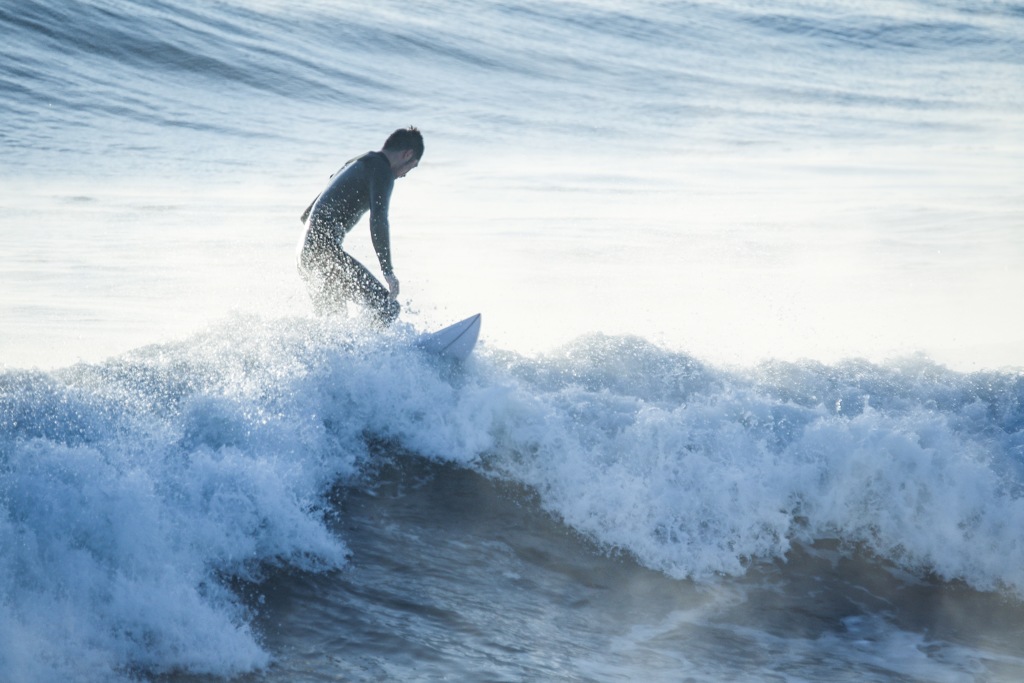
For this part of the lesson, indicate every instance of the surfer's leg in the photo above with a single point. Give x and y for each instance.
(327, 299)
(363, 288)
(325, 283)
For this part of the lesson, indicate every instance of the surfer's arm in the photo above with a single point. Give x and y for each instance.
(381, 182)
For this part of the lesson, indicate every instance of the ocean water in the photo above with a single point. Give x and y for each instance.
(748, 403)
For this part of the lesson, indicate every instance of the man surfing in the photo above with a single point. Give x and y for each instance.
(333, 277)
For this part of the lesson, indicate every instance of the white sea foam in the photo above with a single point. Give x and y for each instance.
(713, 470)
(133, 488)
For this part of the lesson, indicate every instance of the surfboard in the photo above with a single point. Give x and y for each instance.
(455, 341)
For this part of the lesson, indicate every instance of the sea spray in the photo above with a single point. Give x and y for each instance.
(132, 489)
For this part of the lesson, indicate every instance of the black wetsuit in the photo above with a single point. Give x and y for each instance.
(332, 276)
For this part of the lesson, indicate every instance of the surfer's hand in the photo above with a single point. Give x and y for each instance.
(392, 285)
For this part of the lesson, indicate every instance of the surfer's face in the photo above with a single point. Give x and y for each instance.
(406, 163)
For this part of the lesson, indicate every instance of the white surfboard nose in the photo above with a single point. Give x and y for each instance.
(455, 341)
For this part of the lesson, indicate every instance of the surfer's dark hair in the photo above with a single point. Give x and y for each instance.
(405, 138)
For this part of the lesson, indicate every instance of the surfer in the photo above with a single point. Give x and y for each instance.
(364, 184)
